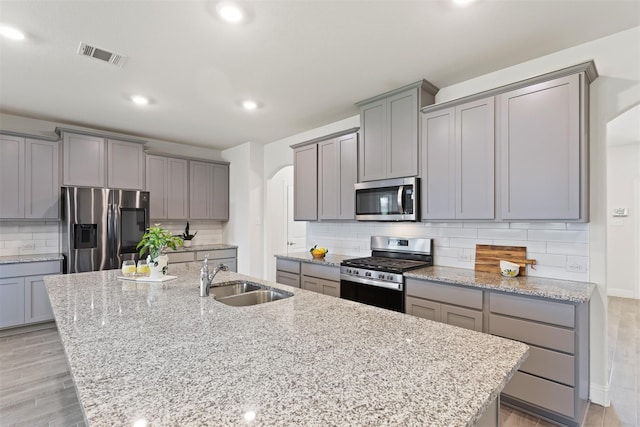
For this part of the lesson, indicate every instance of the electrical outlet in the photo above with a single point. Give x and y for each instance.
(28, 245)
(464, 257)
(576, 268)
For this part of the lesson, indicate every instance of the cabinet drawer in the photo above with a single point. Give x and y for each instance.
(450, 294)
(540, 392)
(30, 269)
(533, 309)
(322, 271)
(423, 308)
(216, 254)
(288, 265)
(329, 287)
(532, 333)
(180, 257)
(551, 365)
(288, 278)
(461, 317)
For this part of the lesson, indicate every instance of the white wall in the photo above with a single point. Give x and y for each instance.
(245, 226)
(623, 191)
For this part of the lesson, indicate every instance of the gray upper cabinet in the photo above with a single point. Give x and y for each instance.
(388, 146)
(29, 178)
(208, 190)
(11, 177)
(125, 165)
(542, 152)
(167, 181)
(457, 168)
(305, 183)
(337, 174)
(92, 160)
(83, 160)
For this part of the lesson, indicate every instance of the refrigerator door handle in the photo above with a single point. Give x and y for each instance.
(113, 235)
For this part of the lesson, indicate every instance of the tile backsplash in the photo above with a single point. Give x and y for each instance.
(561, 250)
(42, 237)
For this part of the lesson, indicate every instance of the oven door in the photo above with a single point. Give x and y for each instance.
(372, 292)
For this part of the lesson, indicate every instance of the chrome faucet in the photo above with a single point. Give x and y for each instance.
(206, 278)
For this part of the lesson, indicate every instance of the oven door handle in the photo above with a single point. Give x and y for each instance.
(400, 194)
(387, 285)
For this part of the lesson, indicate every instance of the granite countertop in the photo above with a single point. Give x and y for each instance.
(329, 258)
(564, 290)
(163, 353)
(17, 259)
(196, 248)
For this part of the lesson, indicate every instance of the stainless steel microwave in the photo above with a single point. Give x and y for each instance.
(388, 200)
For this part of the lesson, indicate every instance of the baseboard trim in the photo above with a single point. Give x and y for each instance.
(621, 293)
(24, 329)
(599, 394)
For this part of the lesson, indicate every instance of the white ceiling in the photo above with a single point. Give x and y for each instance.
(306, 62)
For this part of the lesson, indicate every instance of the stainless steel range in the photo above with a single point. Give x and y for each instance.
(378, 280)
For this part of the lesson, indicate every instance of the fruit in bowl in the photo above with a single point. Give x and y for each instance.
(317, 252)
(509, 269)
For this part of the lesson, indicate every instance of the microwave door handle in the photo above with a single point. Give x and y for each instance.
(400, 192)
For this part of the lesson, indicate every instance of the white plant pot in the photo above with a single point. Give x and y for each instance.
(158, 268)
(186, 243)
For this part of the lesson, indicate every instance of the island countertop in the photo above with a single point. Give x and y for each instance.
(162, 353)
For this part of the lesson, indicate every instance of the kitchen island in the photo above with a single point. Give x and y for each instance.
(161, 353)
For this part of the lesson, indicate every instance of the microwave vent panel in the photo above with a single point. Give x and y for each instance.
(116, 59)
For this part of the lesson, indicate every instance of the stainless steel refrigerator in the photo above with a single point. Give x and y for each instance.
(101, 227)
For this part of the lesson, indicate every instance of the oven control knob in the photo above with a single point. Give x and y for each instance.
(356, 272)
(381, 276)
(390, 277)
(368, 274)
(349, 271)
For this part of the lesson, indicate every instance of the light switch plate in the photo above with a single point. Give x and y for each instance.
(620, 212)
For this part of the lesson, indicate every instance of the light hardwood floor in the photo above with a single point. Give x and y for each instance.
(36, 388)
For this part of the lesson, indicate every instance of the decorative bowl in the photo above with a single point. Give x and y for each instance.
(509, 269)
(318, 256)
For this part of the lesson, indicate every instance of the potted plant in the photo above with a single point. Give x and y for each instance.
(154, 240)
(186, 237)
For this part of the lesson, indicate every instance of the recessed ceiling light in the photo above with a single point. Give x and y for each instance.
(139, 100)
(249, 104)
(11, 33)
(462, 2)
(230, 12)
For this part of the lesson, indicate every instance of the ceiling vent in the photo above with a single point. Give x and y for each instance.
(101, 54)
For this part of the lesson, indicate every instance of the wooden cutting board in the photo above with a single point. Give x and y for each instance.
(488, 258)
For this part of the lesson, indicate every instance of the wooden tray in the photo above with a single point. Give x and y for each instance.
(488, 258)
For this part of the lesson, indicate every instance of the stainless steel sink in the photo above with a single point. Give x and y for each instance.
(242, 293)
(234, 288)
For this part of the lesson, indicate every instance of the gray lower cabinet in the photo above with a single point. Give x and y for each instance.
(167, 180)
(543, 150)
(324, 279)
(449, 304)
(305, 183)
(457, 168)
(554, 380)
(337, 175)
(29, 178)
(388, 146)
(208, 190)
(228, 257)
(23, 296)
(97, 161)
(288, 272)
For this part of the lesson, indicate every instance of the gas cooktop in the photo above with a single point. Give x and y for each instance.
(393, 265)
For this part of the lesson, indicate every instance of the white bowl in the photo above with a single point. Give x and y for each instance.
(509, 269)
